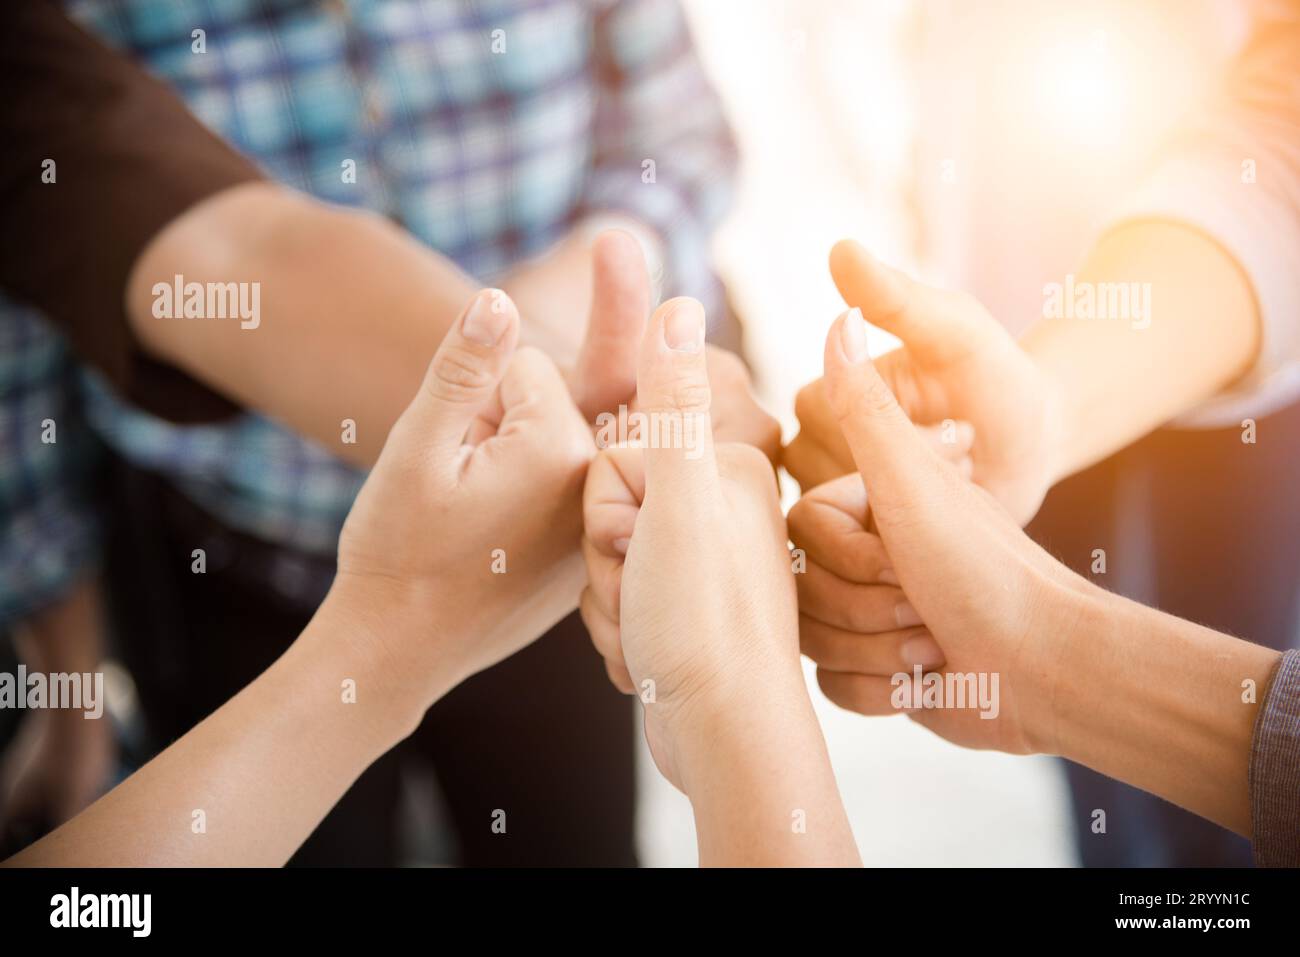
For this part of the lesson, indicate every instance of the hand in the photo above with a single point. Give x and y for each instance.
(601, 366)
(992, 601)
(690, 598)
(463, 543)
(736, 414)
(853, 617)
(957, 364)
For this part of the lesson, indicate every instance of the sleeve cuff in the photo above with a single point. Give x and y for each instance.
(1275, 769)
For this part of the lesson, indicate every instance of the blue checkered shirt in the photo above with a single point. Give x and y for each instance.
(49, 535)
(487, 129)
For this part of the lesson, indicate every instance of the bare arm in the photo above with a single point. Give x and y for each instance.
(351, 309)
(250, 782)
(1162, 704)
(1118, 379)
(408, 617)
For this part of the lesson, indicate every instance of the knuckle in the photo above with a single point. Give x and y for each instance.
(874, 399)
(459, 375)
(688, 395)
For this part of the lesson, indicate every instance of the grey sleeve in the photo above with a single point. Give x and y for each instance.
(1275, 769)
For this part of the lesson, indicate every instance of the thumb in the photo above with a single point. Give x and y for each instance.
(605, 374)
(673, 399)
(897, 463)
(928, 321)
(462, 378)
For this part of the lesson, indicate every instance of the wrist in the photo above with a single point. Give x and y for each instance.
(760, 782)
(1055, 681)
(748, 726)
(391, 641)
(1162, 704)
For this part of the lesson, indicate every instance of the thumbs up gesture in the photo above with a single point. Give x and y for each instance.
(979, 398)
(463, 543)
(601, 367)
(686, 551)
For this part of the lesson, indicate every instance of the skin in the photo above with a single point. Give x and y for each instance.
(410, 615)
(1140, 696)
(691, 603)
(358, 303)
(1071, 391)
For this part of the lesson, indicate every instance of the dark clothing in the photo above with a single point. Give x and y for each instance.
(128, 158)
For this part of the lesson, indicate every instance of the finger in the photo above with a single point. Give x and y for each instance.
(541, 438)
(898, 466)
(809, 463)
(674, 397)
(619, 676)
(865, 694)
(813, 410)
(866, 609)
(534, 392)
(927, 320)
(612, 499)
(736, 412)
(604, 579)
(885, 654)
(603, 629)
(828, 523)
(465, 371)
(605, 374)
(605, 638)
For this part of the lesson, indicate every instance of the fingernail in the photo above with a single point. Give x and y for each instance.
(488, 317)
(853, 335)
(922, 650)
(620, 545)
(906, 615)
(684, 327)
(888, 577)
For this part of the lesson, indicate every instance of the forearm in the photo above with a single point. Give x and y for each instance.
(1118, 378)
(351, 310)
(251, 782)
(763, 791)
(1160, 703)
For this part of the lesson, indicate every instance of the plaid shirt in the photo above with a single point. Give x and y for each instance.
(487, 129)
(48, 531)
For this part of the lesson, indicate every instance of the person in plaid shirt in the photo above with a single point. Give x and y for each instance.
(500, 135)
(490, 131)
